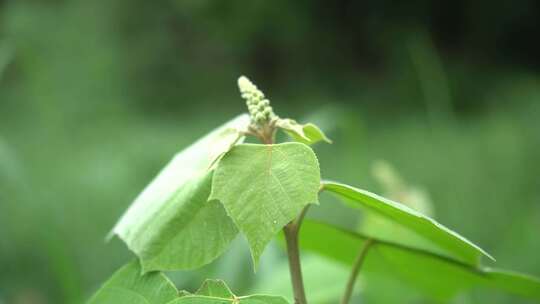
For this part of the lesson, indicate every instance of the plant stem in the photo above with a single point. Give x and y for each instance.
(356, 269)
(267, 137)
(293, 253)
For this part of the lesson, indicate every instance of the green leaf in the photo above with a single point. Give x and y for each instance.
(308, 134)
(215, 288)
(172, 225)
(450, 243)
(255, 299)
(264, 187)
(436, 275)
(217, 292)
(128, 286)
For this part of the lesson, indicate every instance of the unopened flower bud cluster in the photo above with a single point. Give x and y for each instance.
(259, 107)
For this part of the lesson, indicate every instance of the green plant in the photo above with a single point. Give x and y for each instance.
(219, 187)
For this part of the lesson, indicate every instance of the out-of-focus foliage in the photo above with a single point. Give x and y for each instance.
(435, 275)
(96, 96)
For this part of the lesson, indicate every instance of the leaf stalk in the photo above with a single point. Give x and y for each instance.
(356, 270)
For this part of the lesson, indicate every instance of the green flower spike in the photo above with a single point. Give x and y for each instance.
(260, 111)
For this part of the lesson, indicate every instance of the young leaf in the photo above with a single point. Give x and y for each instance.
(217, 292)
(128, 286)
(308, 134)
(452, 243)
(436, 275)
(215, 288)
(264, 187)
(172, 225)
(254, 299)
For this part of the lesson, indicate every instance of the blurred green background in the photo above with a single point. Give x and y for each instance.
(96, 96)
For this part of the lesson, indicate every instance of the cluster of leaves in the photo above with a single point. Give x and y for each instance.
(190, 213)
(220, 186)
(127, 285)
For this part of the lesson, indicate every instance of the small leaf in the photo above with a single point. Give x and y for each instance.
(172, 225)
(264, 187)
(255, 299)
(308, 134)
(215, 288)
(217, 292)
(436, 275)
(449, 241)
(128, 286)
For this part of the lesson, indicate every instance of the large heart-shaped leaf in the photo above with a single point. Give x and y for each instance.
(128, 286)
(264, 187)
(449, 242)
(436, 275)
(172, 225)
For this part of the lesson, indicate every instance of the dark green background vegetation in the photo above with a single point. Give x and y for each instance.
(96, 96)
